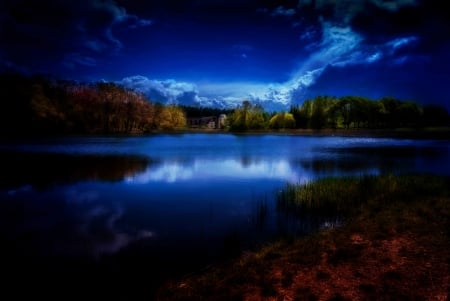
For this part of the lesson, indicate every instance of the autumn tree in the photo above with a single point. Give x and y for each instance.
(171, 117)
(282, 120)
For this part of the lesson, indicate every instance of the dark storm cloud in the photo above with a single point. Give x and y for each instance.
(379, 20)
(38, 34)
(397, 48)
(346, 10)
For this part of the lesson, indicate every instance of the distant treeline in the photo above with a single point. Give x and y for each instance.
(341, 112)
(38, 105)
(357, 112)
(197, 112)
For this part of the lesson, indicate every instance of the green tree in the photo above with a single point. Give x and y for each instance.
(282, 121)
(389, 108)
(248, 117)
(408, 114)
(300, 115)
(318, 117)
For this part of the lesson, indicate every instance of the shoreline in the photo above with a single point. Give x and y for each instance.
(436, 133)
(394, 247)
(401, 133)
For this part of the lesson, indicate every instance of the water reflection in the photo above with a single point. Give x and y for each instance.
(173, 171)
(374, 159)
(70, 220)
(42, 170)
(170, 204)
(77, 223)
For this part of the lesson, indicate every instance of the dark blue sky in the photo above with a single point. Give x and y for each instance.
(222, 52)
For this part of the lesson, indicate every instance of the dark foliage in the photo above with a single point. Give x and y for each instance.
(41, 105)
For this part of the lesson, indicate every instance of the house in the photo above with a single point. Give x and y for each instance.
(210, 122)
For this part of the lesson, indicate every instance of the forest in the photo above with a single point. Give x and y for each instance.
(40, 105)
(341, 112)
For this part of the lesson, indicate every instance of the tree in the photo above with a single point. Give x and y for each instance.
(435, 115)
(247, 117)
(300, 116)
(172, 117)
(408, 113)
(389, 107)
(282, 121)
(318, 115)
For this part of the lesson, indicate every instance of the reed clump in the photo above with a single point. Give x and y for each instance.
(342, 196)
(392, 246)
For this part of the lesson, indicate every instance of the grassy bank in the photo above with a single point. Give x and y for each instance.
(393, 245)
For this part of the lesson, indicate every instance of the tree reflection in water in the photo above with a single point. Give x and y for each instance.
(42, 170)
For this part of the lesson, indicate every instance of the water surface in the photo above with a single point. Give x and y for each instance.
(165, 205)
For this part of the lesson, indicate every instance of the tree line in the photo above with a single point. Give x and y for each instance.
(341, 112)
(39, 105)
(36, 105)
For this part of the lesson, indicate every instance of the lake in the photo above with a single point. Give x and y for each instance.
(123, 214)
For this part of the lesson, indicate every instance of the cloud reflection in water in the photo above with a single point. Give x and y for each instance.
(171, 172)
(96, 225)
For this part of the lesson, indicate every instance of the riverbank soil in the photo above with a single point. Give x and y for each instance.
(391, 250)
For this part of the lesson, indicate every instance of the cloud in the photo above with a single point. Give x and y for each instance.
(72, 59)
(71, 32)
(227, 168)
(140, 23)
(166, 91)
(332, 40)
(221, 95)
(393, 5)
(281, 11)
(339, 46)
(345, 10)
(308, 34)
(272, 96)
(402, 41)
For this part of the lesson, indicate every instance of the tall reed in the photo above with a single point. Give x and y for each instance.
(341, 196)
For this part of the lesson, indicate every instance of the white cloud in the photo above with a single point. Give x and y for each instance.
(308, 34)
(338, 43)
(401, 42)
(281, 11)
(374, 57)
(166, 91)
(340, 46)
(205, 169)
(273, 96)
